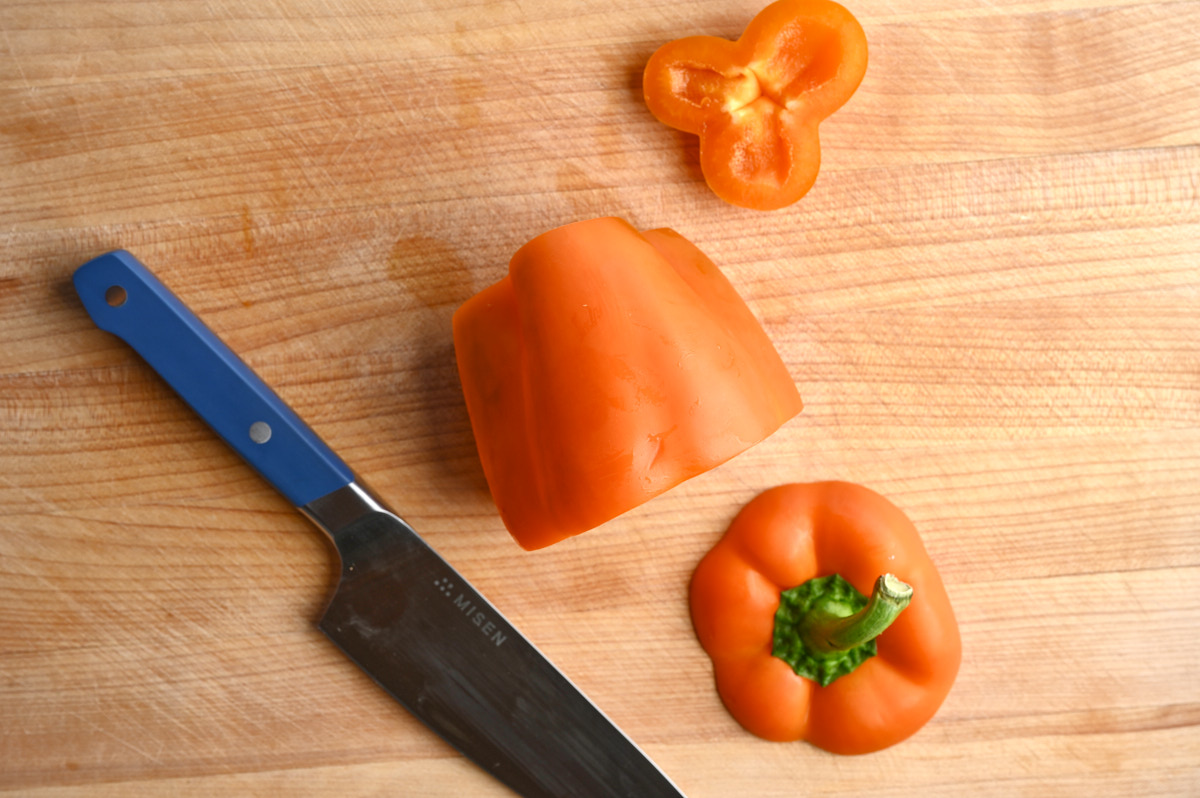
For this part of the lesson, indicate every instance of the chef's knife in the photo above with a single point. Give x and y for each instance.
(400, 611)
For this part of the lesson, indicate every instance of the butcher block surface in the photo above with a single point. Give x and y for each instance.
(990, 302)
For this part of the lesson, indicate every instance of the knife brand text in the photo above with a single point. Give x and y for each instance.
(467, 607)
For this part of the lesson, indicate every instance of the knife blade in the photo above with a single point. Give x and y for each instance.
(399, 611)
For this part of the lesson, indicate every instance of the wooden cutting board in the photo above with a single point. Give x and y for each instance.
(989, 302)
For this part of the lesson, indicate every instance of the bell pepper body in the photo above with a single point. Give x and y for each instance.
(606, 368)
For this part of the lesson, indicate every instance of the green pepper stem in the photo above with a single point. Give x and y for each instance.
(825, 631)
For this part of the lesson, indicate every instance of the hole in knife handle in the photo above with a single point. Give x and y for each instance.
(115, 296)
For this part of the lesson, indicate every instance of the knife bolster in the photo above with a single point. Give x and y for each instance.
(334, 512)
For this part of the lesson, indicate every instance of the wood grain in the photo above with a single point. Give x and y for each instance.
(988, 302)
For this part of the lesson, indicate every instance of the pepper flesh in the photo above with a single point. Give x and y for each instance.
(783, 538)
(756, 103)
(606, 368)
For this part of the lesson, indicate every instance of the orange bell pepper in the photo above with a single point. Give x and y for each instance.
(767, 608)
(606, 368)
(756, 103)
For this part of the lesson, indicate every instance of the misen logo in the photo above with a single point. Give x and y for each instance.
(467, 607)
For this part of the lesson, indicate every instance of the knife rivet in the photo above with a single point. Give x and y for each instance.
(260, 432)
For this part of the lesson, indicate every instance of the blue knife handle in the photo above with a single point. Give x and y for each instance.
(125, 299)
